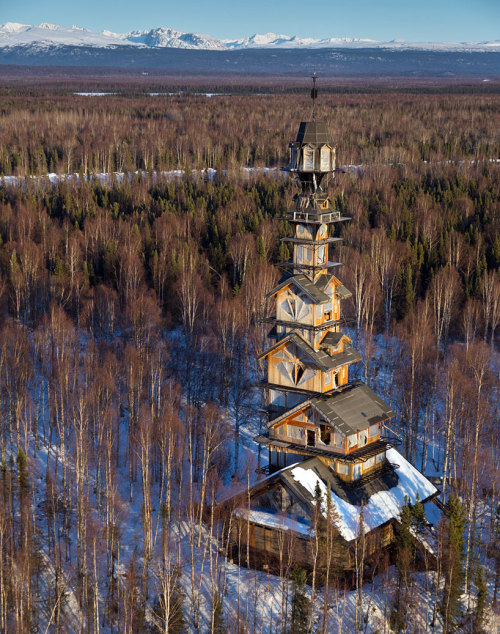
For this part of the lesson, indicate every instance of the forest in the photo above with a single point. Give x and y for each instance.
(131, 299)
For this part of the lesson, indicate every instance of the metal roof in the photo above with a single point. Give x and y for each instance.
(304, 284)
(332, 338)
(348, 355)
(343, 292)
(313, 132)
(354, 409)
(319, 358)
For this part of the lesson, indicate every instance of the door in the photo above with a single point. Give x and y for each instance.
(311, 438)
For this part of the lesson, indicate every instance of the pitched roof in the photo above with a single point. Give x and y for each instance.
(304, 284)
(332, 338)
(343, 292)
(349, 410)
(382, 497)
(319, 358)
(313, 132)
(353, 409)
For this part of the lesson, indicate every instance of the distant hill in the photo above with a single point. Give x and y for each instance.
(367, 62)
(47, 36)
(167, 49)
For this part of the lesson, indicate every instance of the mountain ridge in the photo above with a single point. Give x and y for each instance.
(47, 35)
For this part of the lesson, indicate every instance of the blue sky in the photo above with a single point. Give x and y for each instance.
(411, 20)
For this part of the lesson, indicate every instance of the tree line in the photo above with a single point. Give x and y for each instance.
(131, 314)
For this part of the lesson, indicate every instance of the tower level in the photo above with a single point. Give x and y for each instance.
(313, 409)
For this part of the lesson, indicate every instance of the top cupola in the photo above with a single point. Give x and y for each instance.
(312, 154)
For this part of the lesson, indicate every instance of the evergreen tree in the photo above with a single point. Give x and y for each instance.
(176, 620)
(405, 553)
(418, 514)
(453, 562)
(218, 625)
(482, 595)
(406, 295)
(300, 602)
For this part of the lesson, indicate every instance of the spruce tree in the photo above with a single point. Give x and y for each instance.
(218, 625)
(482, 595)
(405, 553)
(453, 562)
(300, 602)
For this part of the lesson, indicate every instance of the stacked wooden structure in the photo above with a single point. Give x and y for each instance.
(313, 408)
(324, 432)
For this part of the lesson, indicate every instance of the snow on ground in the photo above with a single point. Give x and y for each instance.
(382, 506)
(107, 178)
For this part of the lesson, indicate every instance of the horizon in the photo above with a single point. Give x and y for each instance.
(458, 21)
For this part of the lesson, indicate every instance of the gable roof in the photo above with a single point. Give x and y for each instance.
(304, 284)
(354, 409)
(334, 338)
(382, 497)
(349, 410)
(319, 358)
(314, 290)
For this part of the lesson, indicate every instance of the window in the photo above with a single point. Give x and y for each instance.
(328, 378)
(343, 469)
(321, 257)
(369, 463)
(322, 231)
(338, 439)
(380, 457)
(352, 441)
(295, 432)
(325, 159)
(308, 159)
(293, 399)
(374, 429)
(277, 398)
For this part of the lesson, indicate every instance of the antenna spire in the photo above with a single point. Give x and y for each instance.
(314, 95)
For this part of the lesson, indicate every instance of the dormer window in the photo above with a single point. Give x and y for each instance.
(352, 441)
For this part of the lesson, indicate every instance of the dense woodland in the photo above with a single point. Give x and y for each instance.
(131, 315)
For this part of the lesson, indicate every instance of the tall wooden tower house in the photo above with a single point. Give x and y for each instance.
(324, 431)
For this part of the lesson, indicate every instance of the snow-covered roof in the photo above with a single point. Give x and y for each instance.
(381, 507)
(269, 519)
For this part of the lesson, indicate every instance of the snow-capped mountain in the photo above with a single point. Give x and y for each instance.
(164, 37)
(13, 34)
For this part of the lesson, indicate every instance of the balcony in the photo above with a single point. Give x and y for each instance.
(314, 217)
(316, 449)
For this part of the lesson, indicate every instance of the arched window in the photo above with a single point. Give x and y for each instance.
(325, 159)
